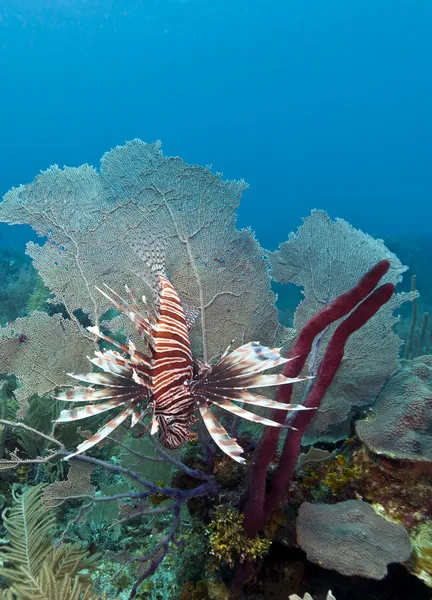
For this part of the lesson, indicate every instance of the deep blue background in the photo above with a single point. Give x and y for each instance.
(315, 103)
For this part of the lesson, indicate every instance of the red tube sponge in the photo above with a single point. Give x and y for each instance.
(256, 507)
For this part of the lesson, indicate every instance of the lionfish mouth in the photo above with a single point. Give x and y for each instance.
(171, 380)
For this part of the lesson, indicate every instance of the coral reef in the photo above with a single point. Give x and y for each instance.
(164, 520)
(362, 302)
(351, 538)
(401, 488)
(421, 562)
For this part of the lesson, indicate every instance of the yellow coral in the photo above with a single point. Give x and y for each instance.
(344, 473)
(228, 541)
(421, 561)
(157, 499)
(194, 591)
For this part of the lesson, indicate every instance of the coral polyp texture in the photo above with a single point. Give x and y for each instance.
(401, 423)
(351, 538)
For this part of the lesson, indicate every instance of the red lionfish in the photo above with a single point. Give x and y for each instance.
(169, 381)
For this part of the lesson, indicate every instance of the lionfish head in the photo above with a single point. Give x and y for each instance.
(172, 434)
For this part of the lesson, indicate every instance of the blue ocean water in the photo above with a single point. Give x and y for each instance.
(316, 104)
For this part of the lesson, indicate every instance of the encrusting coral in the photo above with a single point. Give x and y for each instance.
(421, 561)
(401, 423)
(227, 539)
(351, 538)
(401, 488)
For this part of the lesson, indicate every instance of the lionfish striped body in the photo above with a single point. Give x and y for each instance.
(169, 382)
(172, 369)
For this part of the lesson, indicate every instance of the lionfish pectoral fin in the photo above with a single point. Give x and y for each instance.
(102, 378)
(82, 412)
(90, 394)
(139, 380)
(243, 368)
(261, 380)
(111, 362)
(254, 399)
(226, 351)
(219, 434)
(136, 416)
(103, 432)
(80, 394)
(154, 426)
(245, 414)
(250, 359)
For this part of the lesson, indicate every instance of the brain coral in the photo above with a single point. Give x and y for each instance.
(351, 538)
(402, 423)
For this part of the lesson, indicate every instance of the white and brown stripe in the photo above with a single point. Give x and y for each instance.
(227, 382)
(219, 434)
(123, 382)
(172, 368)
(105, 430)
